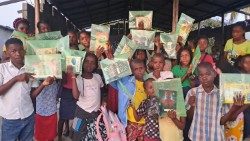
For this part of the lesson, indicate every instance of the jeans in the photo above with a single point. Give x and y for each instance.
(20, 129)
(0, 127)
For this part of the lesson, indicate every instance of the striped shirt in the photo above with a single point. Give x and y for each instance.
(207, 114)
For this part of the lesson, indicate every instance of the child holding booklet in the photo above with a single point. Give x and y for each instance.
(245, 68)
(131, 86)
(87, 89)
(150, 110)
(183, 68)
(158, 62)
(205, 109)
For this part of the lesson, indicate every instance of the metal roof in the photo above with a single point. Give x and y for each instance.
(85, 12)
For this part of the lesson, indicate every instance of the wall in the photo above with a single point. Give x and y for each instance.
(5, 33)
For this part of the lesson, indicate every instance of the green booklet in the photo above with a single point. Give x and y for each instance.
(41, 47)
(125, 49)
(196, 58)
(232, 85)
(169, 41)
(22, 36)
(63, 43)
(73, 58)
(184, 27)
(144, 38)
(170, 96)
(44, 65)
(115, 69)
(140, 19)
(99, 37)
(54, 35)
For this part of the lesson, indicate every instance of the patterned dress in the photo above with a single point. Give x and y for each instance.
(150, 110)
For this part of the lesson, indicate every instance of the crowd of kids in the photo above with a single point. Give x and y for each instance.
(28, 107)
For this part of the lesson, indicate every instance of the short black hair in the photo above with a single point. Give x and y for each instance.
(13, 41)
(206, 65)
(147, 81)
(202, 37)
(240, 24)
(89, 54)
(41, 22)
(160, 55)
(179, 54)
(136, 61)
(84, 32)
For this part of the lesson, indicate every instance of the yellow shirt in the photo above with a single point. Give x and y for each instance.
(234, 129)
(169, 131)
(239, 49)
(140, 95)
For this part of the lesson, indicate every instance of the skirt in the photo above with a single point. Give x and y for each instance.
(45, 127)
(67, 105)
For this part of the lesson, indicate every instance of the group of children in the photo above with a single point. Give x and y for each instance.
(82, 95)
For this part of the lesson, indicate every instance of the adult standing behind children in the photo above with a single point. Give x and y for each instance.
(16, 106)
(133, 86)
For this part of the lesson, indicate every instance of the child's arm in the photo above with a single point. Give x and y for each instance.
(188, 73)
(235, 115)
(75, 91)
(190, 103)
(179, 123)
(19, 78)
(48, 81)
(136, 116)
(234, 110)
(141, 111)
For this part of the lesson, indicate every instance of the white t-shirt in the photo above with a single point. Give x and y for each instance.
(164, 75)
(16, 102)
(90, 92)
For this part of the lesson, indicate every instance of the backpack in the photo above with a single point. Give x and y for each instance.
(114, 128)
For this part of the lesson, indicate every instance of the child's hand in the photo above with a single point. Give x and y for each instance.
(171, 114)
(109, 52)
(48, 81)
(191, 100)
(239, 99)
(24, 77)
(70, 71)
(99, 51)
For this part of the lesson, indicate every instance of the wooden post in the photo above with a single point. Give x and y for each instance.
(175, 14)
(37, 14)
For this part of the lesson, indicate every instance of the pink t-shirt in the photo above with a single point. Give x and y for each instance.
(207, 58)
